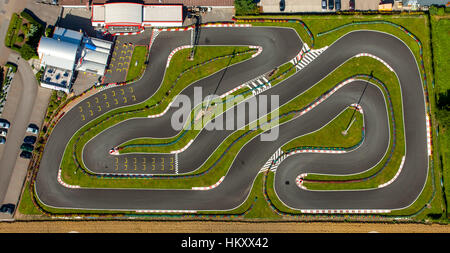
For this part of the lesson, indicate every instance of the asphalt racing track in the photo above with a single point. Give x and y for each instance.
(279, 46)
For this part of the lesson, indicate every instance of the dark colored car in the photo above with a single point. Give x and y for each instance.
(30, 139)
(7, 208)
(330, 4)
(351, 5)
(324, 4)
(282, 5)
(27, 147)
(338, 5)
(2, 140)
(25, 154)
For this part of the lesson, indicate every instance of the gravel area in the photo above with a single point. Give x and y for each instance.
(213, 227)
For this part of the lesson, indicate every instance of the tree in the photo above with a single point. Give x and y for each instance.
(245, 7)
(27, 52)
(33, 30)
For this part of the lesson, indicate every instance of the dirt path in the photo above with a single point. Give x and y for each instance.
(210, 227)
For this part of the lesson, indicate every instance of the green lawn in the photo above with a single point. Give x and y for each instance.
(137, 63)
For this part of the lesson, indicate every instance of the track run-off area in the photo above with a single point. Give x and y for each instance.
(279, 46)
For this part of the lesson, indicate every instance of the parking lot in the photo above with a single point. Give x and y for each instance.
(121, 55)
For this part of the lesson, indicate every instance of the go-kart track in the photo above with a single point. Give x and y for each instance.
(280, 45)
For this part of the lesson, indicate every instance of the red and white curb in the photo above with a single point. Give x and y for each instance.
(396, 175)
(309, 108)
(299, 180)
(174, 51)
(64, 184)
(160, 114)
(260, 49)
(165, 211)
(226, 25)
(356, 211)
(376, 58)
(358, 108)
(114, 151)
(209, 187)
(428, 134)
(233, 90)
(183, 149)
(187, 28)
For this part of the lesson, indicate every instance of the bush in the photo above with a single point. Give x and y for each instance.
(245, 7)
(12, 66)
(27, 52)
(20, 38)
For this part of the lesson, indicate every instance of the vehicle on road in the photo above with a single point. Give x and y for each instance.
(32, 128)
(324, 4)
(25, 154)
(282, 5)
(30, 139)
(3, 132)
(7, 208)
(330, 4)
(338, 5)
(4, 124)
(2, 140)
(27, 147)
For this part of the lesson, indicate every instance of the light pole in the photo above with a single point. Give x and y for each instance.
(359, 101)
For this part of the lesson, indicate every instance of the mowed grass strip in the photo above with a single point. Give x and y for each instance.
(137, 63)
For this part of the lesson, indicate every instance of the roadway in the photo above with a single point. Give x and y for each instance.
(280, 45)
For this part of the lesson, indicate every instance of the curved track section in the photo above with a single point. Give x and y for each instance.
(279, 46)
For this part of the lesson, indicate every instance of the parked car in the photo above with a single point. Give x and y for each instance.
(32, 128)
(27, 147)
(7, 208)
(324, 4)
(330, 4)
(30, 139)
(2, 140)
(282, 5)
(3, 132)
(25, 154)
(4, 123)
(338, 5)
(351, 5)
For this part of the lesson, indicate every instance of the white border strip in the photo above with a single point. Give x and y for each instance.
(209, 187)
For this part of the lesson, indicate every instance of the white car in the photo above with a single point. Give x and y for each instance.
(3, 133)
(32, 128)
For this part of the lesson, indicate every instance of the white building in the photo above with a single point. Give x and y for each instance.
(133, 17)
(69, 51)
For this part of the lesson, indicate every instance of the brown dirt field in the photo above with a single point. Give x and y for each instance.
(213, 227)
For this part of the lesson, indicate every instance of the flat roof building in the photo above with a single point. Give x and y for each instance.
(69, 51)
(133, 17)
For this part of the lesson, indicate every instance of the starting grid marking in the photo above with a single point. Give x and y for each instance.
(152, 164)
(104, 101)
